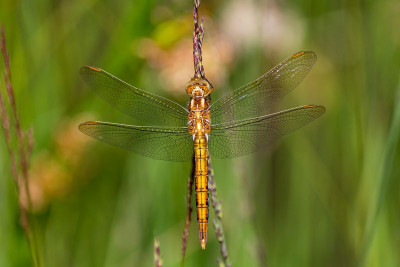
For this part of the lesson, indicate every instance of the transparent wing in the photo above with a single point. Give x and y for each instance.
(229, 140)
(254, 99)
(168, 143)
(145, 108)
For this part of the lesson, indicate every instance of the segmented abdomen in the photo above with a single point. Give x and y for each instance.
(201, 151)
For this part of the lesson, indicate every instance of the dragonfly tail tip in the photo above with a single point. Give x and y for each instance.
(203, 243)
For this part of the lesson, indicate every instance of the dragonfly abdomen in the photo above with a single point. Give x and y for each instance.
(201, 152)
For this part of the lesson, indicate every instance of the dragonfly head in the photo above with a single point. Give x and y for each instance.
(198, 87)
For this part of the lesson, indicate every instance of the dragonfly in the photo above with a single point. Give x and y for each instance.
(234, 125)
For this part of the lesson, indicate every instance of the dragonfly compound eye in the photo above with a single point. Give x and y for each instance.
(198, 83)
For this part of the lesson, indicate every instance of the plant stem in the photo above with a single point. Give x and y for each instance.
(157, 255)
(385, 178)
(20, 175)
(198, 34)
(189, 212)
(217, 206)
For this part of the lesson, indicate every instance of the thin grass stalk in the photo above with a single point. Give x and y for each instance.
(198, 34)
(29, 146)
(6, 130)
(386, 171)
(20, 175)
(13, 105)
(157, 254)
(188, 212)
(217, 222)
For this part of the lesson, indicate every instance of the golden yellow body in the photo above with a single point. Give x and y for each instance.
(199, 128)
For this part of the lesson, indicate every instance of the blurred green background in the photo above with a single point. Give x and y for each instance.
(327, 195)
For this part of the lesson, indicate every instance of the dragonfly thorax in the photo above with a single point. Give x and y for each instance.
(199, 116)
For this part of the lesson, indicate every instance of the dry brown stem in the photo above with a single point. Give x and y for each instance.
(217, 206)
(157, 254)
(188, 212)
(19, 158)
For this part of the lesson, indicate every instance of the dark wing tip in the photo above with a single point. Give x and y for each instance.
(307, 53)
(308, 56)
(93, 68)
(88, 73)
(83, 125)
(88, 69)
(320, 108)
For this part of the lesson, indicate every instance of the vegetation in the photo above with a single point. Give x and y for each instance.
(327, 195)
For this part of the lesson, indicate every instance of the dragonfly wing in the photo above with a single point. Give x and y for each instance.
(167, 143)
(146, 108)
(254, 99)
(233, 139)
